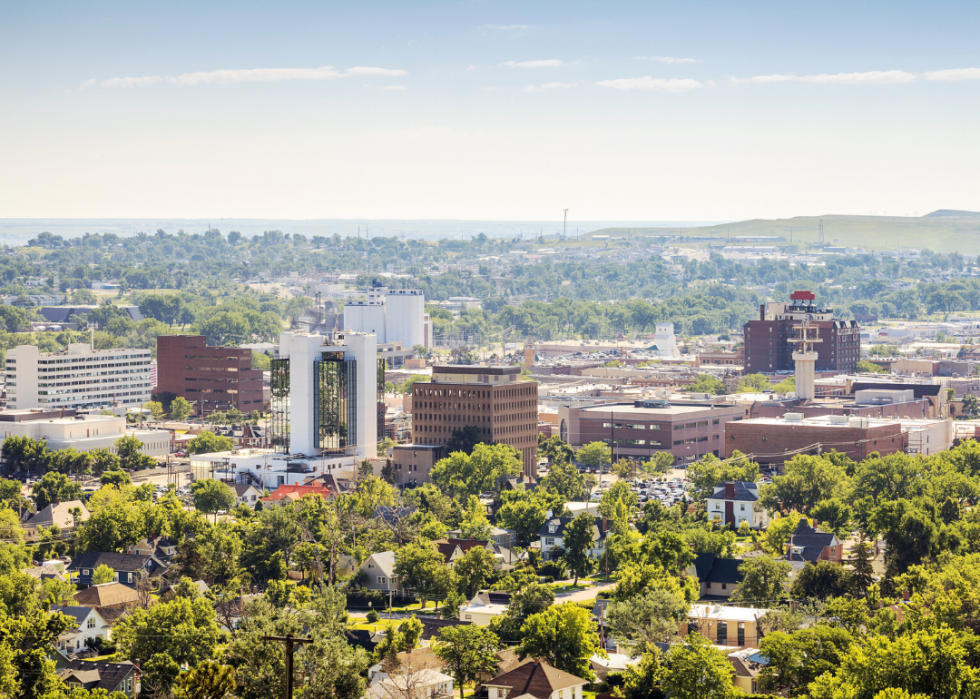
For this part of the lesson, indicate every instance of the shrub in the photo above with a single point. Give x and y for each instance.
(372, 617)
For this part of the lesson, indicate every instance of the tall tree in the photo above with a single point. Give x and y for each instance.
(212, 496)
(468, 651)
(695, 670)
(764, 581)
(577, 540)
(207, 442)
(565, 636)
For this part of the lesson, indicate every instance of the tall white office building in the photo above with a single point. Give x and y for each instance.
(326, 393)
(78, 377)
(393, 315)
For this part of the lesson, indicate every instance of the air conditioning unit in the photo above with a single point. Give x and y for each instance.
(793, 417)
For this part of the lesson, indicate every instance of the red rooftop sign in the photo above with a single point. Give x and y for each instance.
(803, 296)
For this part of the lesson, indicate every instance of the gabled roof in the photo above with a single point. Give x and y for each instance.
(107, 595)
(743, 491)
(295, 492)
(79, 614)
(242, 488)
(447, 547)
(432, 626)
(711, 569)
(484, 597)
(537, 678)
(812, 541)
(125, 562)
(92, 675)
(58, 513)
(385, 560)
(43, 572)
(392, 515)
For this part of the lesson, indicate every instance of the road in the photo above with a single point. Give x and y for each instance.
(583, 595)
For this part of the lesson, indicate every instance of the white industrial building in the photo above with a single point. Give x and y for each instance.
(666, 341)
(392, 315)
(78, 377)
(80, 432)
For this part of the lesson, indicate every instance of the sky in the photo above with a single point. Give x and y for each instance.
(487, 110)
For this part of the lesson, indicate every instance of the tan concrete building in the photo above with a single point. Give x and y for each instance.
(493, 399)
(414, 462)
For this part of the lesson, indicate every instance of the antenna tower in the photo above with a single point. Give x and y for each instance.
(821, 231)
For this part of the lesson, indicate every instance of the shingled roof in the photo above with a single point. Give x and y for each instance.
(107, 595)
(712, 569)
(808, 542)
(742, 491)
(93, 675)
(537, 678)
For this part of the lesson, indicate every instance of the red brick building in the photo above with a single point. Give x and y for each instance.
(210, 378)
(773, 441)
(767, 340)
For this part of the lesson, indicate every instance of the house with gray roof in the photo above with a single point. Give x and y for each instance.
(735, 502)
(810, 545)
(552, 535)
(111, 677)
(380, 571)
(719, 577)
(89, 624)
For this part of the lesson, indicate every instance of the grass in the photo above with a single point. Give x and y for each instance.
(583, 584)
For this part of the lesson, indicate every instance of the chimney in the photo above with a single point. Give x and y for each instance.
(762, 311)
(905, 595)
(729, 491)
(816, 523)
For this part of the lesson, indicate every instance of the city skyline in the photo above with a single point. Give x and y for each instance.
(495, 111)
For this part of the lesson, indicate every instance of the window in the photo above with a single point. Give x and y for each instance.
(85, 571)
(742, 508)
(90, 624)
(722, 633)
(549, 541)
(469, 616)
(724, 586)
(691, 424)
(741, 642)
(382, 580)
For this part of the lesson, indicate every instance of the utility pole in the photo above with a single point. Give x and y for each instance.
(564, 224)
(290, 641)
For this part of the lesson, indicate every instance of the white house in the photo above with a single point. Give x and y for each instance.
(484, 607)
(736, 502)
(89, 625)
(246, 494)
(420, 684)
(552, 534)
(380, 571)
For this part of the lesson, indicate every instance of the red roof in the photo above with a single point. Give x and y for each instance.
(295, 492)
(448, 546)
(803, 296)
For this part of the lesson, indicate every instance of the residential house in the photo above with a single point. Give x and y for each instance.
(432, 626)
(719, 577)
(454, 549)
(724, 626)
(246, 494)
(163, 548)
(44, 572)
(411, 684)
(107, 595)
(552, 536)
(380, 571)
(537, 679)
(111, 677)
(126, 566)
(293, 493)
(484, 606)
(749, 664)
(736, 502)
(809, 545)
(89, 625)
(58, 513)
(503, 537)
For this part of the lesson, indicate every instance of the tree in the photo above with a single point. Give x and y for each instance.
(594, 455)
(207, 442)
(642, 679)
(212, 496)
(863, 576)
(555, 450)
(155, 408)
(578, 540)
(533, 599)
(564, 480)
(474, 569)
(565, 636)
(475, 524)
(468, 652)
(115, 523)
(209, 680)
(103, 574)
(754, 383)
(865, 367)
(464, 439)
(54, 488)
(185, 632)
(695, 670)
(649, 618)
(24, 454)
(807, 480)
(465, 475)
(659, 463)
(820, 581)
(706, 383)
(525, 516)
(764, 581)
(180, 409)
(418, 566)
(116, 478)
(834, 516)
(797, 659)
(708, 473)
(129, 451)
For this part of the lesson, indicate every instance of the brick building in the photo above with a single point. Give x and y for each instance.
(773, 441)
(210, 378)
(493, 399)
(643, 428)
(768, 346)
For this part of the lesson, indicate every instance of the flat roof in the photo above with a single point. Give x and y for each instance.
(821, 421)
(653, 412)
(475, 369)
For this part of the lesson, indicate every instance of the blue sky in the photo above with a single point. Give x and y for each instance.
(488, 110)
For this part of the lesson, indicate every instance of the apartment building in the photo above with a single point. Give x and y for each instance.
(768, 346)
(493, 399)
(209, 378)
(77, 377)
(640, 429)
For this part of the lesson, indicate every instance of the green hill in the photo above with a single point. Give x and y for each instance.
(940, 231)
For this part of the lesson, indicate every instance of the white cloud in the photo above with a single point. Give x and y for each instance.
(873, 77)
(953, 74)
(506, 26)
(393, 87)
(649, 83)
(365, 70)
(123, 82)
(667, 59)
(547, 86)
(229, 77)
(547, 63)
(471, 67)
